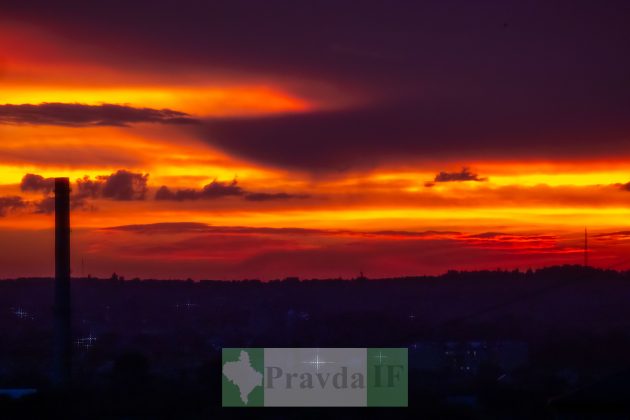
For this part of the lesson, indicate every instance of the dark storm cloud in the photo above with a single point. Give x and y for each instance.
(489, 79)
(343, 140)
(167, 227)
(47, 204)
(45, 186)
(425, 42)
(122, 185)
(482, 240)
(14, 203)
(217, 189)
(511, 237)
(44, 206)
(80, 115)
(192, 227)
(89, 188)
(463, 175)
(11, 203)
(272, 196)
(37, 183)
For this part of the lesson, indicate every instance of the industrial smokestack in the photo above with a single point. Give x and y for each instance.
(585, 248)
(62, 345)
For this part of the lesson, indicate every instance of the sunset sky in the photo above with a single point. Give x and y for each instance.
(265, 139)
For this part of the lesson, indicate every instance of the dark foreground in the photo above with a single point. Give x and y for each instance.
(553, 343)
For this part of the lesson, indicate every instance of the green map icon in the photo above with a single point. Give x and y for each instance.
(242, 378)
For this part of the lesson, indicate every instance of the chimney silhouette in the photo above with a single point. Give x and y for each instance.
(585, 248)
(62, 340)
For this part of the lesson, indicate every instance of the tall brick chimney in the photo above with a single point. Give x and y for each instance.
(62, 340)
